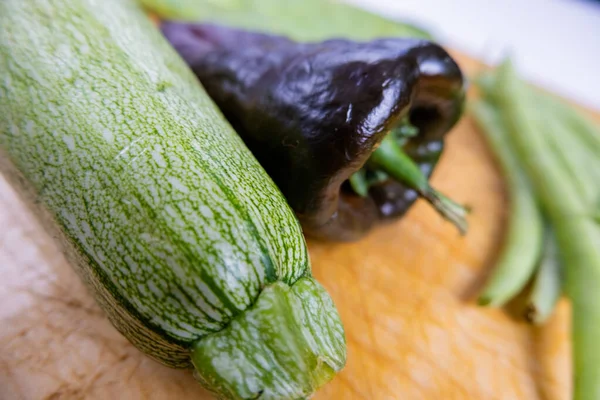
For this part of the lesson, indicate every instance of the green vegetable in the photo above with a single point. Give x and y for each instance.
(573, 145)
(183, 238)
(306, 20)
(571, 216)
(582, 127)
(547, 284)
(574, 138)
(523, 239)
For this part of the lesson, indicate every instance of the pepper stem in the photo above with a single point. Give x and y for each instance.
(359, 183)
(390, 158)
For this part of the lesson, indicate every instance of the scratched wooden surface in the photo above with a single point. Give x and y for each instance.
(405, 294)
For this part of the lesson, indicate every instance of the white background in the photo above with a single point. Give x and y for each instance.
(555, 43)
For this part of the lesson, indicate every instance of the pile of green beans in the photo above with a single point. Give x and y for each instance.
(550, 155)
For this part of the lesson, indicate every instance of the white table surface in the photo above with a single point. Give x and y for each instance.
(555, 43)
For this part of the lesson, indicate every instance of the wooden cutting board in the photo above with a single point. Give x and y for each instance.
(405, 294)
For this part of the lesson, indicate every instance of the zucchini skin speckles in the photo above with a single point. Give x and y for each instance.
(164, 211)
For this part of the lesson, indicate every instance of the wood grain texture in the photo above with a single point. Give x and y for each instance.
(405, 294)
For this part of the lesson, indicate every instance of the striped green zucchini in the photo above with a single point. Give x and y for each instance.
(186, 242)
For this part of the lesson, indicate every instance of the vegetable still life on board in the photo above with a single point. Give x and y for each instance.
(259, 199)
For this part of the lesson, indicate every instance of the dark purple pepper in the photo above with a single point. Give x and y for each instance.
(312, 113)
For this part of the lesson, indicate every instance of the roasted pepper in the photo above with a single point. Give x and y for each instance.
(348, 130)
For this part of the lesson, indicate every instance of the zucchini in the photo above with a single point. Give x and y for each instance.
(183, 238)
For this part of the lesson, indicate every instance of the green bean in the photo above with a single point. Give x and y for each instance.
(547, 283)
(571, 144)
(577, 234)
(486, 83)
(575, 139)
(390, 158)
(571, 154)
(570, 131)
(581, 125)
(523, 240)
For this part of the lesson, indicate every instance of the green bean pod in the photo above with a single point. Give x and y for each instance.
(577, 232)
(523, 240)
(547, 283)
